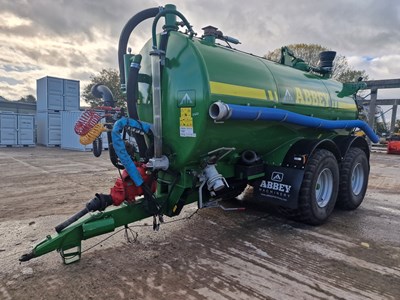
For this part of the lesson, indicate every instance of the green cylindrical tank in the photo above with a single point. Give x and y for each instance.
(198, 73)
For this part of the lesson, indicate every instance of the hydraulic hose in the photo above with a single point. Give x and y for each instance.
(220, 111)
(125, 34)
(120, 149)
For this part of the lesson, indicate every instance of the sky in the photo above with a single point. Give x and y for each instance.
(75, 39)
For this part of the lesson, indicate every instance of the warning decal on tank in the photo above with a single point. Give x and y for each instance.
(186, 123)
(186, 98)
(288, 97)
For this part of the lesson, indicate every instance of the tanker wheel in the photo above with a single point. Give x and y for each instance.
(318, 191)
(354, 171)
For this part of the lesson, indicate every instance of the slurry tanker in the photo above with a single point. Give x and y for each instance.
(204, 121)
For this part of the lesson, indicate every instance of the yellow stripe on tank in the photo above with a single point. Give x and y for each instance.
(348, 106)
(221, 88)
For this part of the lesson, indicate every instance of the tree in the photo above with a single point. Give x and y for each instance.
(110, 78)
(309, 53)
(28, 99)
(381, 129)
(397, 126)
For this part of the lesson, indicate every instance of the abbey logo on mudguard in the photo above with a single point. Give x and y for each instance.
(280, 186)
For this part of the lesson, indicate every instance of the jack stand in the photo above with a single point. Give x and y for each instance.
(71, 255)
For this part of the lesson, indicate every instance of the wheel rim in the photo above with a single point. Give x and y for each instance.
(357, 179)
(324, 187)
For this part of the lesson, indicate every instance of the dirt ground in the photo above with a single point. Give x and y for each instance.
(251, 254)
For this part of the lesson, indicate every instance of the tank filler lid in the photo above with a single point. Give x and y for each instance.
(211, 33)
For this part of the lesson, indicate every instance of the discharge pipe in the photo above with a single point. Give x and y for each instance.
(101, 91)
(220, 111)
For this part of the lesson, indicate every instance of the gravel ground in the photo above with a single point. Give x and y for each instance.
(252, 254)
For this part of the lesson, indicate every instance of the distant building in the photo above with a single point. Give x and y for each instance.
(17, 107)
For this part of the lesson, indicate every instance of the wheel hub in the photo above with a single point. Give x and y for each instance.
(357, 179)
(324, 187)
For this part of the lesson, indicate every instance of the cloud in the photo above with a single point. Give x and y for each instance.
(10, 80)
(76, 38)
(21, 68)
(62, 18)
(380, 67)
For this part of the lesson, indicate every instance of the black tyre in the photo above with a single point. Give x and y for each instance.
(318, 191)
(97, 147)
(354, 172)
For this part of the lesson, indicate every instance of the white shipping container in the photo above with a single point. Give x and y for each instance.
(57, 94)
(48, 128)
(104, 140)
(71, 95)
(69, 139)
(49, 94)
(8, 129)
(71, 102)
(26, 129)
(17, 129)
(71, 87)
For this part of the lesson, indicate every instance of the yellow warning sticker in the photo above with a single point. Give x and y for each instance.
(186, 123)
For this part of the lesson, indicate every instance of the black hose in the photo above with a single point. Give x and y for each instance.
(126, 32)
(71, 220)
(249, 157)
(97, 146)
(164, 41)
(132, 88)
(163, 47)
(101, 91)
(111, 151)
(100, 202)
(131, 99)
(162, 13)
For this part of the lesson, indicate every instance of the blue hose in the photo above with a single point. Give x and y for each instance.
(252, 113)
(120, 150)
